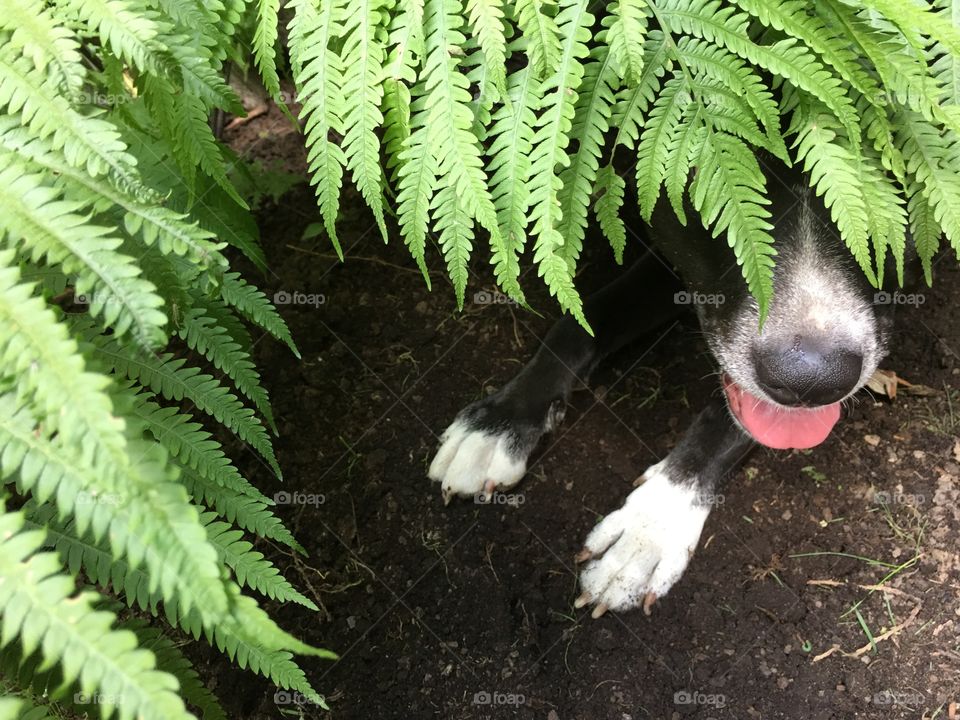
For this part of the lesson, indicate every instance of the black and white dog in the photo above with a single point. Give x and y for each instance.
(783, 385)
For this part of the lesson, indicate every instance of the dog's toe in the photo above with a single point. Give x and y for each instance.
(637, 553)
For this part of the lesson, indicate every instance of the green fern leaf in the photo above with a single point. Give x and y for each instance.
(729, 193)
(609, 188)
(51, 46)
(38, 604)
(625, 37)
(655, 142)
(254, 306)
(549, 152)
(264, 45)
(51, 230)
(709, 20)
(541, 34)
(202, 334)
(511, 141)
(250, 567)
(170, 378)
(362, 59)
(486, 20)
(318, 72)
(417, 177)
(591, 121)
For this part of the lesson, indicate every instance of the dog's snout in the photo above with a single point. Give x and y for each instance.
(801, 371)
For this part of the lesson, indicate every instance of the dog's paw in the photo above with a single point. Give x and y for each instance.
(486, 448)
(638, 552)
(475, 461)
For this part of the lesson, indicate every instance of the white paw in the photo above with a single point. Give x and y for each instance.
(638, 552)
(472, 461)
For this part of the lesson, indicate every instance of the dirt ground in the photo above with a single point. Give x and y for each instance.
(467, 611)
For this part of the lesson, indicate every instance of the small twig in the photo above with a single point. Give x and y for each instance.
(378, 261)
(895, 630)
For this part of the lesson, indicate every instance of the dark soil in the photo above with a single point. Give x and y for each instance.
(467, 611)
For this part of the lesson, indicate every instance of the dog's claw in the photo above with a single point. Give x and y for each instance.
(598, 611)
(583, 556)
(447, 497)
(584, 599)
(649, 599)
(488, 489)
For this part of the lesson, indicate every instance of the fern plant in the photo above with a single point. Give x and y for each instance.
(499, 121)
(117, 207)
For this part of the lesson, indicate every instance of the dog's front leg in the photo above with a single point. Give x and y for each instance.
(637, 553)
(487, 445)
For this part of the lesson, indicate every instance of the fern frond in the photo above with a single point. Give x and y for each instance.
(239, 507)
(684, 147)
(202, 334)
(132, 512)
(716, 64)
(361, 57)
(193, 446)
(625, 35)
(264, 45)
(711, 21)
(38, 351)
(254, 306)
(541, 34)
(52, 230)
(250, 567)
(247, 635)
(609, 188)
(87, 141)
(51, 46)
(130, 30)
(171, 660)
(171, 231)
(662, 123)
(318, 72)
(929, 160)
(455, 228)
(486, 21)
(796, 19)
(38, 604)
(591, 120)
(457, 152)
(729, 193)
(172, 379)
(549, 152)
(511, 140)
(416, 177)
(632, 102)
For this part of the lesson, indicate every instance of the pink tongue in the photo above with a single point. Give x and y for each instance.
(779, 427)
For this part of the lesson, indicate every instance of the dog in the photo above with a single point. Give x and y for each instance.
(782, 383)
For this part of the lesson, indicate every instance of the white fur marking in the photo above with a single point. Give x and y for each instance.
(468, 458)
(645, 545)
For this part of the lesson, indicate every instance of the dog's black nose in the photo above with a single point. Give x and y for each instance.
(801, 371)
